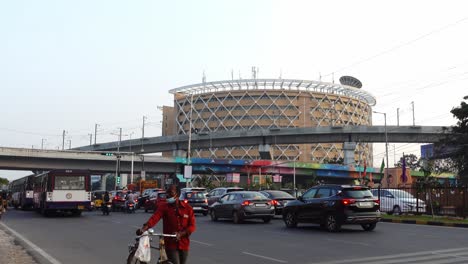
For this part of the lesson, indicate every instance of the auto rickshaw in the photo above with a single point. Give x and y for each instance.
(98, 198)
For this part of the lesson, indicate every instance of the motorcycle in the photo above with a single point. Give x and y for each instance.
(106, 208)
(130, 207)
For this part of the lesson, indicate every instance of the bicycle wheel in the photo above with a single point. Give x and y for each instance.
(132, 260)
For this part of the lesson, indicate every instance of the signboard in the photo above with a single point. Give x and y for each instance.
(233, 177)
(143, 175)
(187, 172)
(277, 178)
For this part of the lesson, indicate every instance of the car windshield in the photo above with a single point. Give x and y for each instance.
(401, 194)
(234, 190)
(253, 196)
(357, 193)
(194, 195)
(280, 194)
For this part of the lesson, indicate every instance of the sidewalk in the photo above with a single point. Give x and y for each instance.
(12, 253)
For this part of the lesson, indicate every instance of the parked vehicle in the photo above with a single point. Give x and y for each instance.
(215, 194)
(196, 199)
(278, 198)
(395, 201)
(332, 206)
(242, 205)
(155, 199)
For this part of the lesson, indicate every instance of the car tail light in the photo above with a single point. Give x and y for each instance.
(206, 200)
(246, 203)
(274, 202)
(377, 201)
(348, 201)
(185, 201)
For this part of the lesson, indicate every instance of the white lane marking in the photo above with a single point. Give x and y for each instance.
(203, 243)
(136, 226)
(117, 222)
(32, 245)
(394, 256)
(264, 257)
(348, 242)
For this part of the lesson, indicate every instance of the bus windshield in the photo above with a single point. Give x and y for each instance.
(69, 182)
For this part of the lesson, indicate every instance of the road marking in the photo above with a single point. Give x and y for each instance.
(381, 259)
(264, 257)
(117, 222)
(349, 242)
(203, 243)
(32, 245)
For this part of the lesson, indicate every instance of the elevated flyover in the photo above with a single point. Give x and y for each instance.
(39, 160)
(272, 136)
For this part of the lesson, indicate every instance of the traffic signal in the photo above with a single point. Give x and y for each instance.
(118, 180)
(107, 154)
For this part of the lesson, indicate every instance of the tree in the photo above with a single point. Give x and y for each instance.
(4, 181)
(458, 154)
(426, 183)
(412, 161)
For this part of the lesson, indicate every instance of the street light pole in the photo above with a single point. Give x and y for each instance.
(386, 145)
(190, 138)
(42, 143)
(95, 132)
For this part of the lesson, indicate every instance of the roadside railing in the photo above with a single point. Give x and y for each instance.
(446, 201)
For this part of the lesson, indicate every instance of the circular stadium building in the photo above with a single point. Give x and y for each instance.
(247, 104)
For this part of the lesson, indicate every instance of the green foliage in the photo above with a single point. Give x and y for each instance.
(4, 181)
(412, 161)
(205, 181)
(335, 160)
(459, 156)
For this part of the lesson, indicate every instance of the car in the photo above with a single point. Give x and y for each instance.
(279, 199)
(215, 194)
(332, 206)
(145, 196)
(118, 199)
(196, 199)
(241, 205)
(395, 201)
(154, 200)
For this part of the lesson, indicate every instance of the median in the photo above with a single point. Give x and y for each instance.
(426, 220)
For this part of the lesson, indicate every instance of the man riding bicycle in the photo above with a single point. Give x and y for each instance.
(178, 218)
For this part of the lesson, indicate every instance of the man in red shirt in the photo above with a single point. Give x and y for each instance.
(178, 219)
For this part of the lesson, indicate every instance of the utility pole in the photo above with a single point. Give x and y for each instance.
(412, 104)
(63, 140)
(42, 143)
(90, 139)
(190, 138)
(69, 144)
(143, 134)
(398, 116)
(386, 145)
(95, 132)
(120, 139)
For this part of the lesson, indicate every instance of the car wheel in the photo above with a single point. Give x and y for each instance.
(369, 227)
(396, 210)
(266, 219)
(290, 220)
(213, 215)
(236, 218)
(331, 223)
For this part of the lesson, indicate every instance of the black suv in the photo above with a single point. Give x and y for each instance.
(196, 198)
(332, 206)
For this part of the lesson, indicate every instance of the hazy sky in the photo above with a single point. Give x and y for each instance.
(67, 65)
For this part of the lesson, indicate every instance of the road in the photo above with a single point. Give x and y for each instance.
(93, 238)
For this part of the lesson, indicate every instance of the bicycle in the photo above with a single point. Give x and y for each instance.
(132, 248)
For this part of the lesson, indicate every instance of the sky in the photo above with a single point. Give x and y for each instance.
(68, 65)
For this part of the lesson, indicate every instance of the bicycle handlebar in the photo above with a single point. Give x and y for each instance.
(158, 234)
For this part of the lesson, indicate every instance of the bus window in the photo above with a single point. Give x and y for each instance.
(69, 182)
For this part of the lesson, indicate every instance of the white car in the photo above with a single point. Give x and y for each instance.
(395, 201)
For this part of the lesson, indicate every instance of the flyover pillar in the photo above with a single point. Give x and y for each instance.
(265, 152)
(348, 149)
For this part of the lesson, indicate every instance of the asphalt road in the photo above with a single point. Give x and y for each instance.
(93, 238)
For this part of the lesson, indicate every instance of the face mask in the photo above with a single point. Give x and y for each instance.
(170, 200)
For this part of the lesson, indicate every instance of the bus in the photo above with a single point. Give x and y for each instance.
(62, 190)
(22, 192)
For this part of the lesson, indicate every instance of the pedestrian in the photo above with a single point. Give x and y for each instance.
(178, 218)
(2, 208)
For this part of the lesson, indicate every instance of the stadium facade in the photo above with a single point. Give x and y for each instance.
(246, 104)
